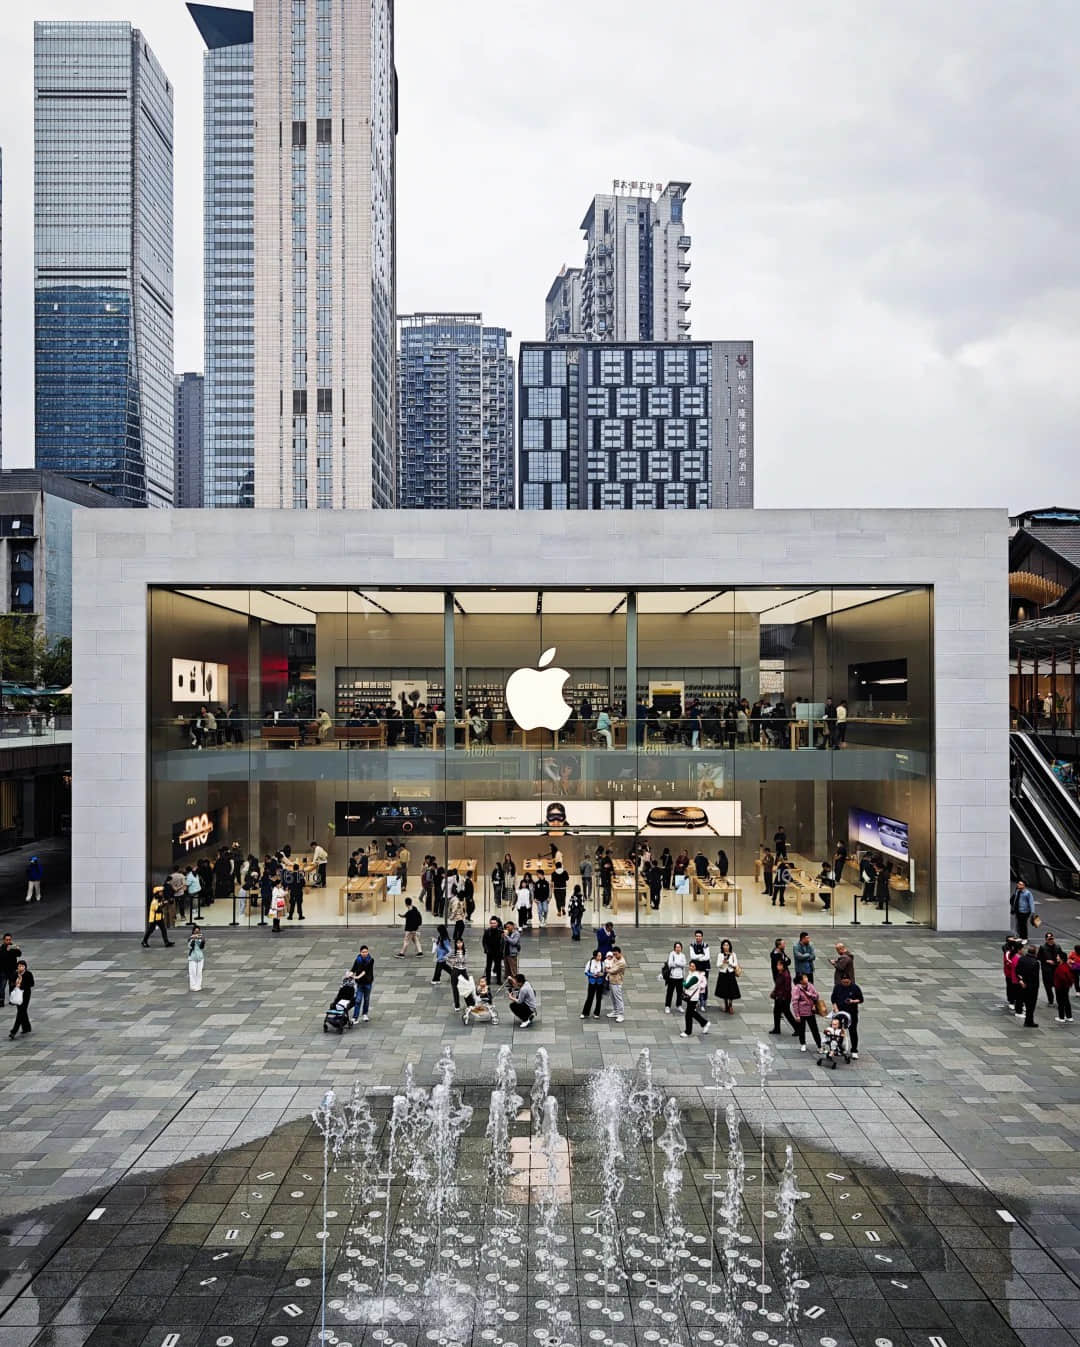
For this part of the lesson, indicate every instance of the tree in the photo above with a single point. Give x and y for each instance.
(54, 662)
(29, 659)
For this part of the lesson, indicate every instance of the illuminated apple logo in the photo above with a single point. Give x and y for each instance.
(534, 696)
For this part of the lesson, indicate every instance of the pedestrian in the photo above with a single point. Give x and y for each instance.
(413, 922)
(524, 903)
(10, 954)
(560, 880)
(1022, 906)
(363, 970)
(702, 957)
(542, 897)
(404, 856)
(673, 971)
(594, 986)
(156, 921)
(576, 912)
(522, 1002)
(196, 957)
(277, 903)
(586, 879)
(778, 956)
(847, 995)
(654, 878)
(804, 1005)
(781, 879)
(767, 866)
(34, 875)
(615, 970)
(441, 948)
(843, 963)
(607, 878)
(693, 1001)
(1074, 964)
(457, 964)
(727, 977)
(667, 867)
(722, 865)
(511, 949)
(805, 954)
(1010, 956)
(295, 880)
(605, 938)
(455, 912)
(1050, 954)
(468, 896)
(1063, 981)
(1027, 976)
(20, 998)
(492, 944)
(497, 884)
(781, 999)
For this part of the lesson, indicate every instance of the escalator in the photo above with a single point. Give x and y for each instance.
(1045, 820)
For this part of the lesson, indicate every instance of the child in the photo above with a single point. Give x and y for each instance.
(833, 1038)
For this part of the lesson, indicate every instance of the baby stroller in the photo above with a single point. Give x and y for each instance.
(337, 1017)
(834, 1039)
(483, 1012)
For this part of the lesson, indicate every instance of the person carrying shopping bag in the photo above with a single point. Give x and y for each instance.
(694, 985)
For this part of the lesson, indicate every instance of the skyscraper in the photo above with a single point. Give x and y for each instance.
(103, 259)
(636, 425)
(228, 477)
(636, 282)
(455, 414)
(325, 277)
(562, 310)
(188, 394)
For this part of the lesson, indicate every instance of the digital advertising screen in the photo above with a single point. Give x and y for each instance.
(878, 832)
(395, 818)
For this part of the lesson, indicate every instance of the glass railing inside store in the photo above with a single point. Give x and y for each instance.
(28, 728)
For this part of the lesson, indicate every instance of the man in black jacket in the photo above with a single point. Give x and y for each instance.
(1049, 956)
(413, 922)
(10, 954)
(493, 949)
(1027, 976)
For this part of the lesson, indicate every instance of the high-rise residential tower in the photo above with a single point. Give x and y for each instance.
(103, 259)
(562, 309)
(455, 414)
(325, 277)
(188, 396)
(636, 282)
(228, 477)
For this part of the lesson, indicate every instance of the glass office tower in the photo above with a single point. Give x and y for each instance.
(228, 255)
(455, 414)
(103, 259)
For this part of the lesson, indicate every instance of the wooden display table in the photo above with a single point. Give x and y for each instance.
(383, 868)
(625, 885)
(623, 867)
(361, 889)
(540, 864)
(463, 867)
(710, 889)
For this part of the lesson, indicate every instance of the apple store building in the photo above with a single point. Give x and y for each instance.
(685, 719)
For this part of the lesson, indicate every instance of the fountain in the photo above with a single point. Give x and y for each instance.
(422, 1248)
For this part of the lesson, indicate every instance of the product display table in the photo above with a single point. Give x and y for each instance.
(710, 889)
(359, 890)
(463, 867)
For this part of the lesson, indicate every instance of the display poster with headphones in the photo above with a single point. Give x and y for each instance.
(557, 816)
(681, 818)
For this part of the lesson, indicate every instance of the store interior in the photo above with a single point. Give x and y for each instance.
(271, 727)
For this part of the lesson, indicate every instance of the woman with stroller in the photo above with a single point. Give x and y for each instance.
(727, 977)
(673, 974)
(804, 1000)
(595, 982)
(443, 947)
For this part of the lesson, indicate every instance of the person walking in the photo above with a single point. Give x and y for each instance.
(576, 912)
(1050, 954)
(34, 875)
(847, 995)
(196, 957)
(524, 903)
(441, 949)
(10, 954)
(1022, 906)
(702, 956)
(277, 904)
(693, 1001)
(673, 972)
(492, 945)
(497, 884)
(654, 878)
(413, 922)
(542, 897)
(404, 856)
(1027, 976)
(594, 984)
(844, 963)
(586, 878)
(781, 999)
(20, 998)
(804, 1003)
(1063, 981)
(805, 954)
(455, 912)
(363, 970)
(615, 970)
(560, 880)
(1010, 955)
(511, 949)
(320, 859)
(457, 963)
(522, 1002)
(727, 977)
(156, 921)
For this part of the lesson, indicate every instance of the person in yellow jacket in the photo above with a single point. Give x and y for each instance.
(156, 919)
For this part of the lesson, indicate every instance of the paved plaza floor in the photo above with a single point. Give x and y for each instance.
(137, 1117)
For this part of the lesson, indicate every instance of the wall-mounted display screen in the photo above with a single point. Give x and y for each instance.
(394, 818)
(876, 831)
(681, 818)
(556, 815)
(200, 681)
(203, 828)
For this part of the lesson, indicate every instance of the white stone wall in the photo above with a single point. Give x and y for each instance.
(961, 553)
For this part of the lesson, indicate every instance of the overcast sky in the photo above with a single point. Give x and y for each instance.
(883, 198)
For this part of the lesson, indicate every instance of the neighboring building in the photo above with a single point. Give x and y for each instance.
(562, 311)
(455, 414)
(672, 609)
(103, 260)
(188, 393)
(1044, 563)
(228, 255)
(325, 275)
(636, 281)
(641, 426)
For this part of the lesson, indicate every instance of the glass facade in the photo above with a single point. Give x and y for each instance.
(455, 414)
(695, 736)
(103, 225)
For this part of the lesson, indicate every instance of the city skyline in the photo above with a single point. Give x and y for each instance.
(867, 234)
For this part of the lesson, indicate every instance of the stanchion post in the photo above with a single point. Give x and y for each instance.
(855, 909)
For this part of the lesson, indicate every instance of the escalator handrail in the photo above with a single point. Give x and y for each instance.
(1045, 773)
